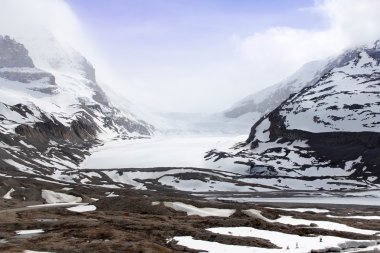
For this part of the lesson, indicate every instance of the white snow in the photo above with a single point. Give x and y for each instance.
(56, 197)
(351, 84)
(111, 195)
(355, 217)
(193, 185)
(283, 240)
(82, 208)
(329, 225)
(302, 210)
(8, 194)
(159, 151)
(26, 144)
(368, 201)
(203, 212)
(305, 244)
(30, 231)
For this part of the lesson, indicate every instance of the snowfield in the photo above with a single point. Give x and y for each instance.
(160, 151)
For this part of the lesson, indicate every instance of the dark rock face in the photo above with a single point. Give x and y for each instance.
(13, 54)
(79, 131)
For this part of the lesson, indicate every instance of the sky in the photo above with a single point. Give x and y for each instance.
(197, 55)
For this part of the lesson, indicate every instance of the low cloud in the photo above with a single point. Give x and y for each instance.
(279, 51)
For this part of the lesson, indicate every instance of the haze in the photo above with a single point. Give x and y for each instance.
(202, 55)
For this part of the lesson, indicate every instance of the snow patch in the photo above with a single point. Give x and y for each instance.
(203, 212)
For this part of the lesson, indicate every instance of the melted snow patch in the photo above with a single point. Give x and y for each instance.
(8, 194)
(30, 231)
(356, 217)
(56, 197)
(324, 224)
(82, 208)
(302, 210)
(203, 212)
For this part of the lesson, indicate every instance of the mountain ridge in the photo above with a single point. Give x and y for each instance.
(51, 116)
(281, 145)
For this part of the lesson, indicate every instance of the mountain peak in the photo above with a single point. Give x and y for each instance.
(13, 54)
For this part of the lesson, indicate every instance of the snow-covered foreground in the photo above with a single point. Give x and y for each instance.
(285, 242)
(305, 243)
(159, 151)
(295, 243)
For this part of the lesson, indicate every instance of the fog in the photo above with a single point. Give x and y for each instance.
(166, 74)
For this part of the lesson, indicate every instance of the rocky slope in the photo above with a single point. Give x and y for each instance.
(51, 108)
(328, 131)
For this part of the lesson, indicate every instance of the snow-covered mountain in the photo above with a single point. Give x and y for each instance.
(327, 135)
(51, 108)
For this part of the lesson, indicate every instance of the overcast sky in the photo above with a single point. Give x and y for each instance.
(199, 55)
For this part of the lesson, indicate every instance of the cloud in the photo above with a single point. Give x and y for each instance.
(169, 66)
(24, 18)
(39, 20)
(279, 51)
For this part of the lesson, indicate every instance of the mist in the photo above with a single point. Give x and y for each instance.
(144, 59)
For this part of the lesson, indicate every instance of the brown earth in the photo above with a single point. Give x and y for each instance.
(130, 223)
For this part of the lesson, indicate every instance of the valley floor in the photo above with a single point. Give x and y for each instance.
(129, 220)
(129, 197)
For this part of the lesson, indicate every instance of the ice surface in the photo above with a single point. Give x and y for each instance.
(159, 151)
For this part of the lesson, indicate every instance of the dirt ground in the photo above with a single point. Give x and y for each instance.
(130, 223)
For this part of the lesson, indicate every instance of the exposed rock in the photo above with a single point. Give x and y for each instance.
(13, 54)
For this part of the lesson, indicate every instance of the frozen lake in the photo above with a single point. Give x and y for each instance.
(159, 151)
